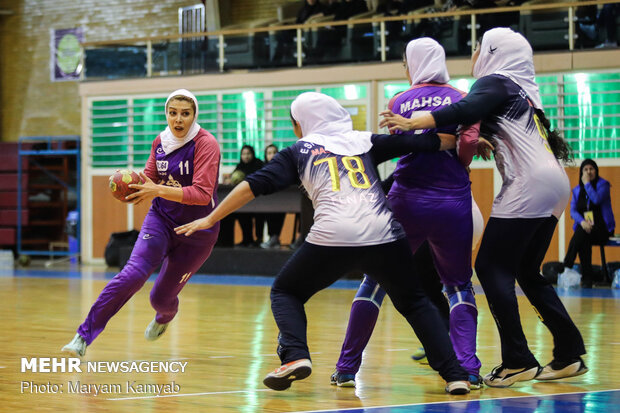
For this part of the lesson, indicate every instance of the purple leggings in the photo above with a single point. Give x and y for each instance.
(157, 244)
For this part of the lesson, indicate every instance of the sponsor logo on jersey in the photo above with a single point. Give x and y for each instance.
(173, 182)
(162, 166)
(147, 236)
(159, 150)
(319, 151)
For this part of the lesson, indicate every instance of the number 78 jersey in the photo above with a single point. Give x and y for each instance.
(350, 208)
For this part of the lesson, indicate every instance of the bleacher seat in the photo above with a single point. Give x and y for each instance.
(247, 50)
(116, 62)
(545, 29)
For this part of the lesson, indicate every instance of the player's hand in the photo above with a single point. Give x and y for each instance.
(586, 225)
(484, 149)
(395, 122)
(146, 191)
(197, 225)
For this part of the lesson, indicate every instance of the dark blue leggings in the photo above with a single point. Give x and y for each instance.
(513, 249)
(313, 268)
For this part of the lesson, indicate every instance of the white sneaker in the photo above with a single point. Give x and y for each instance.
(76, 347)
(505, 377)
(457, 387)
(154, 330)
(561, 370)
(282, 377)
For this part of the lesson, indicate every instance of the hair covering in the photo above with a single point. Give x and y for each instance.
(171, 143)
(426, 61)
(507, 53)
(582, 200)
(593, 164)
(253, 165)
(325, 122)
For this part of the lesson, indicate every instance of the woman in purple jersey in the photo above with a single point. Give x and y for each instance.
(431, 198)
(180, 178)
(535, 190)
(353, 230)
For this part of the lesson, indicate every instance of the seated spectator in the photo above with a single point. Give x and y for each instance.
(606, 22)
(309, 9)
(594, 219)
(349, 8)
(247, 165)
(400, 7)
(284, 38)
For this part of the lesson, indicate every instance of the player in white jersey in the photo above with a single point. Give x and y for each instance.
(534, 193)
(353, 230)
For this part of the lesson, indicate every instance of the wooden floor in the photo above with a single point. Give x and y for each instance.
(227, 336)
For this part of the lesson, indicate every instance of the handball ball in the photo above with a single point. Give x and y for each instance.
(119, 183)
(236, 177)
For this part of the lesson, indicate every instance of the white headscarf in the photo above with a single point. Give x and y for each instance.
(325, 122)
(426, 61)
(171, 143)
(507, 53)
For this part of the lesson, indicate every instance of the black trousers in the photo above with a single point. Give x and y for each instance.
(513, 249)
(313, 268)
(581, 243)
(275, 222)
(251, 223)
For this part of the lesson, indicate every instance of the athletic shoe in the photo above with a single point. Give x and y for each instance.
(475, 382)
(420, 356)
(457, 387)
(282, 377)
(505, 377)
(77, 346)
(342, 380)
(563, 369)
(273, 242)
(154, 330)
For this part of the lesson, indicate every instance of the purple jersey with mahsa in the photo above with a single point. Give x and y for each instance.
(438, 174)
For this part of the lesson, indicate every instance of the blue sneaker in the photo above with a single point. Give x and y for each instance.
(475, 382)
(342, 380)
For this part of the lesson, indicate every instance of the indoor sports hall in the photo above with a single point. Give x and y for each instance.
(86, 91)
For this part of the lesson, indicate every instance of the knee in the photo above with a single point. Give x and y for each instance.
(461, 295)
(130, 278)
(371, 291)
(138, 266)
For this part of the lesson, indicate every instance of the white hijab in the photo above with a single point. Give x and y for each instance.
(171, 143)
(507, 53)
(325, 122)
(426, 61)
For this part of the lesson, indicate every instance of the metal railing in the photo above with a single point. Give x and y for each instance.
(211, 47)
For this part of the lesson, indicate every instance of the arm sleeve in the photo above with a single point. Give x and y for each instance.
(573, 209)
(279, 173)
(467, 143)
(150, 169)
(206, 167)
(599, 195)
(485, 95)
(385, 147)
